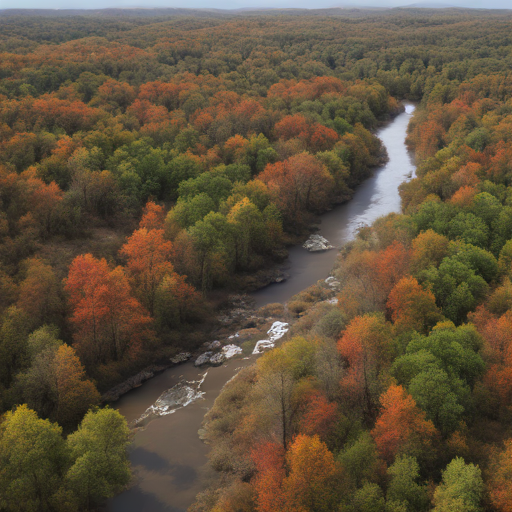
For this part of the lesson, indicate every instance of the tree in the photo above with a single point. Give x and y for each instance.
(276, 383)
(32, 457)
(369, 498)
(432, 389)
(319, 416)
(412, 307)
(461, 489)
(248, 231)
(360, 460)
(299, 184)
(107, 320)
(177, 301)
(500, 487)
(148, 260)
(100, 466)
(13, 344)
(55, 385)
(39, 294)
(209, 237)
(402, 427)
(269, 461)
(75, 394)
(153, 217)
(403, 487)
(313, 482)
(428, 248)
(368, 348)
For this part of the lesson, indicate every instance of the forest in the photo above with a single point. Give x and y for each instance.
(149, 166)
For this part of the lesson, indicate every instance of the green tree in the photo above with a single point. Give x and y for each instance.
(404, 488)
(100, 466)
(33, 455)
(461, 488)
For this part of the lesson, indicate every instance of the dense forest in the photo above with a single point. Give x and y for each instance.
(149, 165)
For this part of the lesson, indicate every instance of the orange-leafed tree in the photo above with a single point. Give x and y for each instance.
(319, 415)
(402, 427)
(412, 307)
(314, 479)
(390, 266)
(107, 321)
(153, 216)
(300, 183)
(500, 483)
(269, 459)
(367, 346)
(148, 260)
(463, 198)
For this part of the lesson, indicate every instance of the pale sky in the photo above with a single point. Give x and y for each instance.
(236, 4)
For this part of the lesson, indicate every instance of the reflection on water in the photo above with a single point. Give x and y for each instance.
(375, 197)
(168, 458)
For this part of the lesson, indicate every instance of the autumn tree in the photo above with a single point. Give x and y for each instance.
(402, 427)
(270, 465)
(368, 348)
(499, 485)
(314, 480)
(107, 321)
(412, 307)
(40, 293)
(148, 257)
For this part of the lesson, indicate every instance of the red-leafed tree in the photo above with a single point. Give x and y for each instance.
(270, 466)
(319, 415)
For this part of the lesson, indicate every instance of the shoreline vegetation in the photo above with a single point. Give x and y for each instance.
(147, 165)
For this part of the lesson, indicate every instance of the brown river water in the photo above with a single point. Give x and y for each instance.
(168, 458)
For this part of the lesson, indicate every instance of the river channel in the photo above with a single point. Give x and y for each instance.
(167, 456)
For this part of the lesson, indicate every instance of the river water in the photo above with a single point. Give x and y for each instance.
(168, 458)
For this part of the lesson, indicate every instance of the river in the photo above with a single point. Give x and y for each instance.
(167, 456)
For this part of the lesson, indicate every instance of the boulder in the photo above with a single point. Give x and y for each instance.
(181, 357)
(214, 345)
(317, 243)
(217, 359)
(203, 359)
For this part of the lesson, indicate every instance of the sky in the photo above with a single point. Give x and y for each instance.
(237, 4)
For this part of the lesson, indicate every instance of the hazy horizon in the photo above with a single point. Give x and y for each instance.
(247, 4)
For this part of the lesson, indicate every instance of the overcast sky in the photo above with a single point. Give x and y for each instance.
(236, 4)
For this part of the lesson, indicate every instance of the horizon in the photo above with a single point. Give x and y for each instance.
(248, 5)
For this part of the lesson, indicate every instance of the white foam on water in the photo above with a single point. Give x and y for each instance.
(177, 397)
(231, 350)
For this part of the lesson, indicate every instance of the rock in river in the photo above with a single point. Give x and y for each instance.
(317, 243)
(203, 359)
(181, 357)
(217, 359)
